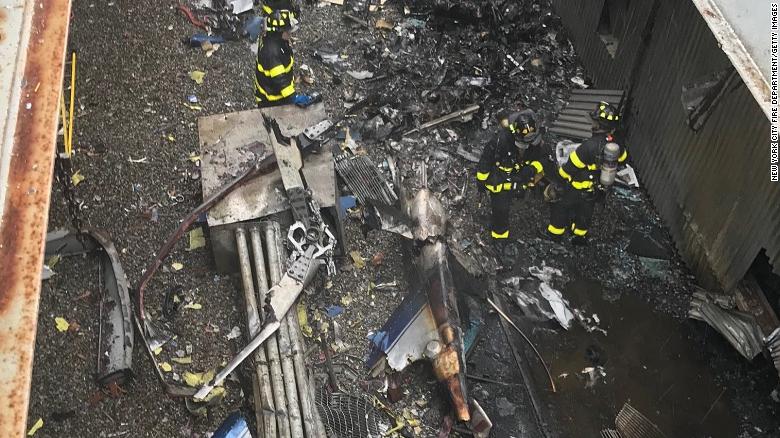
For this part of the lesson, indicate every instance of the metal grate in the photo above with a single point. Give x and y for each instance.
(632, 424)
(350, 416)
(364, 179)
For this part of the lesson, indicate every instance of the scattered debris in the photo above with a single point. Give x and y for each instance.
(593, 375)
(35, 427)
(334, 311)
(463, 115)
(235, 333)
(193, 306)
(360, 74)
(197, 239)
(77, 178)
(177, 266)
(197, 76)
(357, 260)
(739, 328)
(234, 426)
(62, 324)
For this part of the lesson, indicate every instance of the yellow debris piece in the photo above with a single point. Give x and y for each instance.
(197, 76)
(62, 324)
(197, 379)
(357, 259)
(77, 178)
(38, 424)
(303, 320)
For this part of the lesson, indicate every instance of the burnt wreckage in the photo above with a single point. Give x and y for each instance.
(291, 221)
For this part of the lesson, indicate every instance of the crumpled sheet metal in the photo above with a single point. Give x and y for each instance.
(116, 339)
(389, 218)
(739, 328)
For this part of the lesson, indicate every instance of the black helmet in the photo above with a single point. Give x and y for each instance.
(606, 115)
(523, 126)
(279, 20)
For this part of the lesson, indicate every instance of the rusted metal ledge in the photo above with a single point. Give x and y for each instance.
(33, 35)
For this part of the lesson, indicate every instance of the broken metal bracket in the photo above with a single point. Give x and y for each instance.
(116, 335)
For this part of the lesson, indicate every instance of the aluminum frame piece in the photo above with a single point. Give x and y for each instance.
(116, 335)
(33, 36)
(231, 142)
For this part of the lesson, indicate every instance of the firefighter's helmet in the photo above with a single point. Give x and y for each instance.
(523, 126)
(606, 115)
(280, 20)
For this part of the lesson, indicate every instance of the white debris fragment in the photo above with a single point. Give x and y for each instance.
(559, 306)
(234, 333)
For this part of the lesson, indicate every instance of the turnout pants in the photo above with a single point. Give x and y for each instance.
(500, 204)
(573, 212)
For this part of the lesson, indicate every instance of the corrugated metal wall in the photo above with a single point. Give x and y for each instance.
(712, 186)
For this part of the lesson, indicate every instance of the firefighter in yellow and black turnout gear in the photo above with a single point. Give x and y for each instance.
(575, 199)
(509, 164)
(274, 83)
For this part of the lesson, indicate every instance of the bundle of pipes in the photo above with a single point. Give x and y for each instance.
(772, 343)
(284, 394)
(364, 179)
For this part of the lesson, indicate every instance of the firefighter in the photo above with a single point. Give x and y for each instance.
(274, 84)
(510, 163)
(574, 198)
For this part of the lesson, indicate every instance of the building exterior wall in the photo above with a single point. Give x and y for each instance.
(711, 186)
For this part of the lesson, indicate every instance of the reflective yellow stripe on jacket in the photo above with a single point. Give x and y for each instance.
(276, 71)
(499, 187)
(286, 92)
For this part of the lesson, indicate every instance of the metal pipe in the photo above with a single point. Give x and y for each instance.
(274, 252)
(311, 420)
(277, 382)
(296, 348)
(260, 269)
(263, 393)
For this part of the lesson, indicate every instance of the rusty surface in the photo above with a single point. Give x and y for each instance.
(29, 157)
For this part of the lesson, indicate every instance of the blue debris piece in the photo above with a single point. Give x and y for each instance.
(334, 311)
(346, 202)
(234, 427)
(403, 315)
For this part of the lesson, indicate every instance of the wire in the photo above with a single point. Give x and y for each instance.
(69, 142)
(504, 315)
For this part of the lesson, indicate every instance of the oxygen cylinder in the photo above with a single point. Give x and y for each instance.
(609, 164)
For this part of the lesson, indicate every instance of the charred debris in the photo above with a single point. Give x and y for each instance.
(409, 116)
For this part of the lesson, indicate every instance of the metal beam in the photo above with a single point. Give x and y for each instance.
(33, 36)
